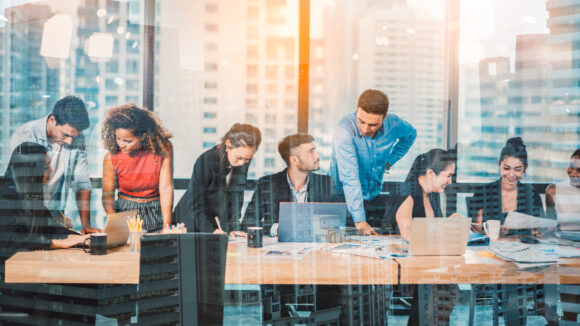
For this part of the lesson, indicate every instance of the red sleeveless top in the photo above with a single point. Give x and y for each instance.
(138, 173)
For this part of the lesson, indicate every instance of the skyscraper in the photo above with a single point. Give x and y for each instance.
(564, 91)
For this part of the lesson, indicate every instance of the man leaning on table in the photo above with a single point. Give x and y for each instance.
(365, 144)
(61, 134)
(296, 183)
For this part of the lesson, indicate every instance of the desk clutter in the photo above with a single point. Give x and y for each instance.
(523, 253)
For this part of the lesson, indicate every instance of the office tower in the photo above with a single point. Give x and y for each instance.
(246, 71)
(469, 126)
(564, 91)
(516, 103)
(271, 87)
(499, 115)
(319, 104)
(30, 87)
(532, 84)
(400, 51)
(201, 74)
(364, 304)
(242, 304)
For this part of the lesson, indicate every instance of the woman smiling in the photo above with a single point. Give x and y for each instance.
(494, 200)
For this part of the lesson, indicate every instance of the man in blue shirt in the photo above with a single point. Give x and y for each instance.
(61, 134)
(364, 145)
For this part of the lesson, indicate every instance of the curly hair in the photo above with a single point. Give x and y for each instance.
(140, 122)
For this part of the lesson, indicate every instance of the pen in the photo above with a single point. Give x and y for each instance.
(64, 221)
(217, 220)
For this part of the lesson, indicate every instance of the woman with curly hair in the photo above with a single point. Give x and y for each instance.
(139, 165)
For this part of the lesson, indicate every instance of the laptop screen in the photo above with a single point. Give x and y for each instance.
(310, 222)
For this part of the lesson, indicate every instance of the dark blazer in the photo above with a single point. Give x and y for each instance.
(273, 189)
(208, 195)
(488, 198)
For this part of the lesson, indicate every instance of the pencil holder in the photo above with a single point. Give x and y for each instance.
(135, 241)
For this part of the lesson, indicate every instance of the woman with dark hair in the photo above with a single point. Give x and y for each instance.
(430, 173)
(427, 178)
(494, 200)
(563, 198)
(25, 223)
(215, 194)
(139, 164)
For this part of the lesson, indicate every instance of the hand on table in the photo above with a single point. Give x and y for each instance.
(234, 234)
(219, 231)
(69, 241)
(89, 230)
(477, 227)
(363, 228)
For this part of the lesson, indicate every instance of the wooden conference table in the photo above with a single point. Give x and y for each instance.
(243, 266)
(248, 266)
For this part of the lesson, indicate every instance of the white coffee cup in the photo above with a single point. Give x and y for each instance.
(491, 228)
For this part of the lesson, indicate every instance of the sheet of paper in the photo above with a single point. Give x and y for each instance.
(358, 249)
(376, 240)
(295, 250)
(265, 240)
(568, 252)
(516, 220)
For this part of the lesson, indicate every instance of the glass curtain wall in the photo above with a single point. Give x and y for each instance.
(51, 49)
(221, 62)
(397, 47)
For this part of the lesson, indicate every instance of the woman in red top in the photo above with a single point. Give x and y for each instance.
(139, 165)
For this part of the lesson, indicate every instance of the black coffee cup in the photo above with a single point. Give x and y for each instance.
(255, 236)
(97, 244)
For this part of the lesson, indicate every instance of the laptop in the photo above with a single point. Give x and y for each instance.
(311, 222)
(117, 229)
(439, 236)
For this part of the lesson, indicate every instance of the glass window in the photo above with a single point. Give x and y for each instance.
(49, 51)
(229, 79)
(401, 41)
(517, 80)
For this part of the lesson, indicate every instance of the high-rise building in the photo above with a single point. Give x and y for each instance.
(247, 73)
(401, 51)
(29, 86)
(564, 90)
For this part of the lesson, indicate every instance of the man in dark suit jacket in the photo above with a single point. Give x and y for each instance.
(296, 183)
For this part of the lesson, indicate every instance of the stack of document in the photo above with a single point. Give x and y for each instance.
(525, 253)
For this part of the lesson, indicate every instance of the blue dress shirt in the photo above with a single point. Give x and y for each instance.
(358, 163)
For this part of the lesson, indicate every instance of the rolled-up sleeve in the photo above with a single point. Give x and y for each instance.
(347, 164)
